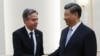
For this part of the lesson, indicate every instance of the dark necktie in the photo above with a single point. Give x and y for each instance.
(32, 40)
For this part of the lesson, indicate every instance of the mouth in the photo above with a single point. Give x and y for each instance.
(66, 22)
(35, 26)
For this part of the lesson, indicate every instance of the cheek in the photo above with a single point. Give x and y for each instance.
(72, 20)
(69, 18)
(32, 23)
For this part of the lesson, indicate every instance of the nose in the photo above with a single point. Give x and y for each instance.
(36, 21)
(65, 18)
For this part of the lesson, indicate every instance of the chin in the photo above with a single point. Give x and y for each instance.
(34, 27)
(67, 24)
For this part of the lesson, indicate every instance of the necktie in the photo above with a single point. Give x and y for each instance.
(68, 36)
(32, 40)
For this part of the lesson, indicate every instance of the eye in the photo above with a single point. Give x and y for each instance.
(34, 19)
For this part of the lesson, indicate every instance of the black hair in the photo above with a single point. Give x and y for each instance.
(74, 8)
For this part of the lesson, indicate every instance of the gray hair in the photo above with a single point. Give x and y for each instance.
(28, 12)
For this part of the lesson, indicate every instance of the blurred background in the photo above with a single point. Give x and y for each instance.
(51, 20)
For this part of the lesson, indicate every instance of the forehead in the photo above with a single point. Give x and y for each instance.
(33, 15)
(67, 11)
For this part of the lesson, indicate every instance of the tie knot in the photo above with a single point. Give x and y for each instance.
(31, 33)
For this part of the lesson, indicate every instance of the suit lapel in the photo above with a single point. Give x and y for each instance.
(37, 40)
(63, 39)
(25, 35)
(75, 36)
(36, 36)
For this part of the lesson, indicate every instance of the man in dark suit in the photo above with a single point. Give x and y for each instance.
(27, 41)
(77, 39)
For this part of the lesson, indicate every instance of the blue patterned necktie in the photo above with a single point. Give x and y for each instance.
(68, 36)
(32, 41)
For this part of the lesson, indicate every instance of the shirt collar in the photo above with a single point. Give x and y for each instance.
(28, 31)
(76, 26)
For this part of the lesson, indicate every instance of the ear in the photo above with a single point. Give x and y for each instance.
(76, 14)
(25, 20)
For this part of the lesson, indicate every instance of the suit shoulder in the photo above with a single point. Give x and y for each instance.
(39, 31)
(64, 29)
(18, 30)
(88, 29)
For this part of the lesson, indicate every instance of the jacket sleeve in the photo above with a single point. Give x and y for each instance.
(17, 46)
(90, 45)
(42, 49)
(56, 53)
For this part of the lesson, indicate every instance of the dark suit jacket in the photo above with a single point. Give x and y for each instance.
(22, 44)
(82, 43)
